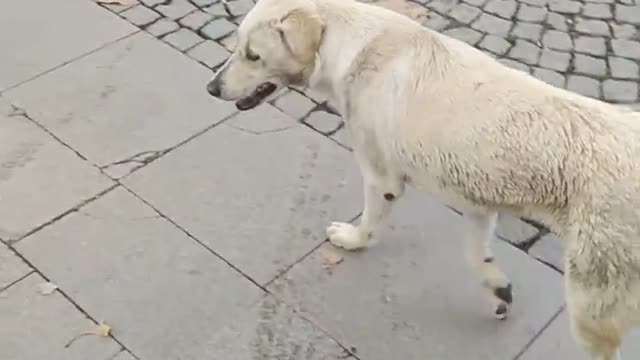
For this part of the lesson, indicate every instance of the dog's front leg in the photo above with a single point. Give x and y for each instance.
(380, 192)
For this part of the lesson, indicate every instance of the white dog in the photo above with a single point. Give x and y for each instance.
(427, 110)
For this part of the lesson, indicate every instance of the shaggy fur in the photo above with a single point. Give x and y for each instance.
(429, 111)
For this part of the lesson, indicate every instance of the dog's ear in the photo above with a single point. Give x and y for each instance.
(301, 31)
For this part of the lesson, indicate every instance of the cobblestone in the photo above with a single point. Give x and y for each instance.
(183, 39)
(140, 15)
(623, 68)
(557, 22)
(218, 29)
(515, 65)
(592, 27)
(619, 90)
(626, 48)
(525, 52)
(209, 53)
(597, 11)
(584, 85)
(591, 45)
(491, 24)
(436, 22)
(162, 27)
(216, 10)
(175, 9)
(550, 77)
(495, 44)
(584, 64)
(527, 31)
(502, 8)
(196, 20)
(532, 13)
(464, 13)
(624, 31)
(555, 60)
(565, 6)
(557, 40)
(628, 14)
(239, 7)
(465, 34)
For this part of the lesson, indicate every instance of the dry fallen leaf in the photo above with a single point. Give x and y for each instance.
(115, 2)
(47, 288)
(330, 257)
(101, 329)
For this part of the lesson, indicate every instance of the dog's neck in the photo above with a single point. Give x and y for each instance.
(346, 33)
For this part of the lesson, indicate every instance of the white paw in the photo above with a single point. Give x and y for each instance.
(346, 236)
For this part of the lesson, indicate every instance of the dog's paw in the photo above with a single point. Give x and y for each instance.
(503, 297)
(346, 236)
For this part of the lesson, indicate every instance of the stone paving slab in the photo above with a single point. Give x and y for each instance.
(135, 97)
(556, 342)
(37, 36)
(40, 178)
(36, 326)
(258, 189)
(165, 295)
(413, 296)
(12, 268)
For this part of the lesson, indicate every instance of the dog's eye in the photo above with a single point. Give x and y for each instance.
(252, 56)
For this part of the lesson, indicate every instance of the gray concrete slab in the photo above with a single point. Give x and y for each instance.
(39, 177)
(36, 326)
(556, 342)
(259, 189)
(413, 297)
(134, 96)
(165, 296)
(12, 268)
(37, 36)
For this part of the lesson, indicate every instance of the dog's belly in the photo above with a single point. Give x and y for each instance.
(431, 183)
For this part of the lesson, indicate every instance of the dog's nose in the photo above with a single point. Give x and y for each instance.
(213, 87)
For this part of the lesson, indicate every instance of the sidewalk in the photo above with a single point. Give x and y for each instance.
(129, 196)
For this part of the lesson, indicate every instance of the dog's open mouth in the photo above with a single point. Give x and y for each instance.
(260, 93)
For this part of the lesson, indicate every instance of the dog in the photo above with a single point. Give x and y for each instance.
(428, 111)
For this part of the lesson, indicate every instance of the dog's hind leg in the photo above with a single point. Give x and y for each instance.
(380, 192)
(480, 234)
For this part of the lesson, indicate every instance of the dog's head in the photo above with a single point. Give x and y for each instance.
(277, 45)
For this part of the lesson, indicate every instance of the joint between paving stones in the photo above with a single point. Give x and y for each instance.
(66, 213)
(79, 308)
(539, 333)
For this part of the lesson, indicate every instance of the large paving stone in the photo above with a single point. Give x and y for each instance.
(259, 189)
(412, 296)
(34, 41)
(556, 342)
(39, 177)
(116, 103)
(165, 295)
(36, 326)
(12, 268)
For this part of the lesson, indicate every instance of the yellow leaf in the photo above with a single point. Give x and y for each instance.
(103, 329)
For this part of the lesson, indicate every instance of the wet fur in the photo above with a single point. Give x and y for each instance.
(432, 112)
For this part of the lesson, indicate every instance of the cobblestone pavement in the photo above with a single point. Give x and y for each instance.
(128, 195)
